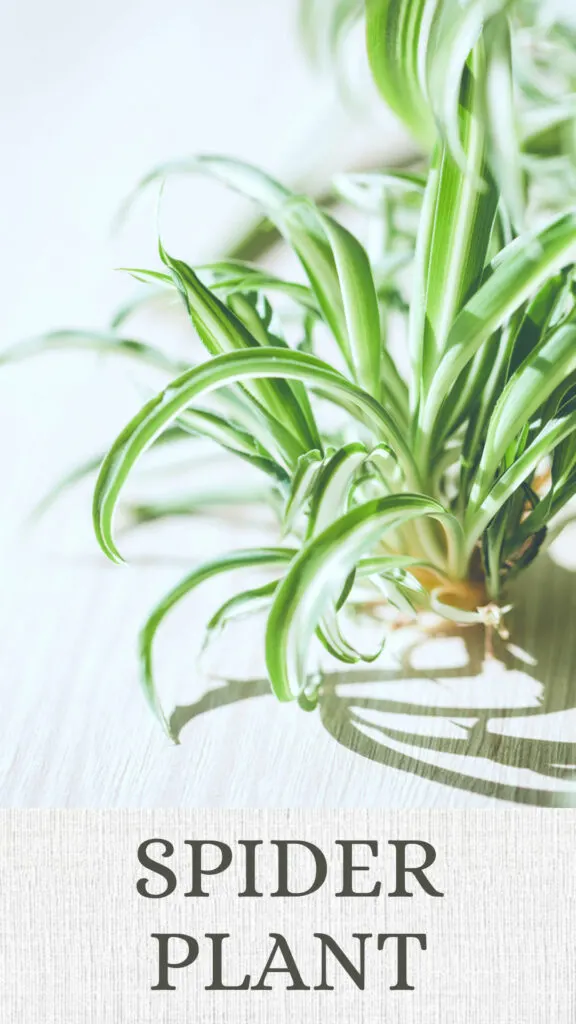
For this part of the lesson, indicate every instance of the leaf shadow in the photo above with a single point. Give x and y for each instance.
(505, 730)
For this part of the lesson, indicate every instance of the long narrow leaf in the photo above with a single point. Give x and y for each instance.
(552, 434)
(520, 270)
(247, 602)
(360, 305)
(250, 558)
(463, 219)
(548, 365)
(455, 30)
(102, 342)
(161, 411)
(397, 33)
(222, 331)
(500, 102)
(315, 577)
(333, 485)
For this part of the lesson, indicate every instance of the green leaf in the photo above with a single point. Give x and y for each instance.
(103, 342)
(209, 424)
(499, 359)
(250, 558)
(334, 261)
(333, 484)
(460, 232)
(165, 408)
(315, 578)
(477, 397)
(294, 393)
(332, 638)
(360, 304)
(306, 471)
(238, 276)
(397, 35)
(537, 318)
(417, 313)
(247, 602)
(543, 370)
(403, 591)
(482, 513)
(421, 52)
(147, 276)
(367, 190)
(241, 177)
(456, 29)
(323, 23)
(197, 502)
(543, 516)
(501, 117)
(518, 273)
(222, 331)
(230, 277)
(341, 278)
(382, 564)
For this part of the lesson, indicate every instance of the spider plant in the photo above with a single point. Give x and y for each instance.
(411, 402)
(542, 36)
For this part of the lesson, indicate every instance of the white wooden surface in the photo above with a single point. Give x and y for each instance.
(102, 96)
(76, 731)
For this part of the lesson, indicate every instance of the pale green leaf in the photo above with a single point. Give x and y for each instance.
(219, 372)
(548, 365)
(251, 558)
(519, 272)
(102, 342)
(397, 33)
(315, 577)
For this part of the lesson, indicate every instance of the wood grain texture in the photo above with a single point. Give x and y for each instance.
(499, 942)
(430, 725)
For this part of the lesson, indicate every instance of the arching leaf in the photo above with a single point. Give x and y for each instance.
(315, 576)
(163, 410)
(250, 558)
